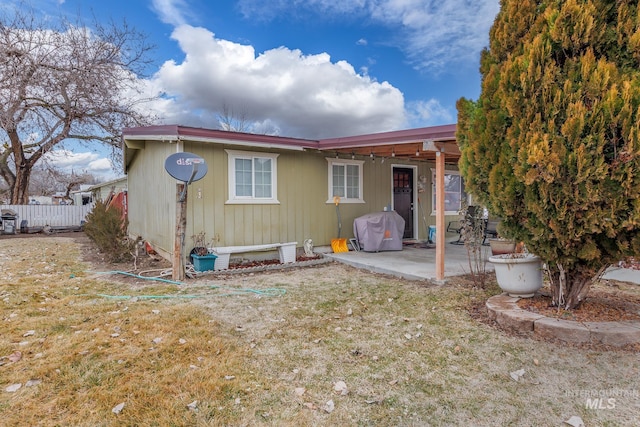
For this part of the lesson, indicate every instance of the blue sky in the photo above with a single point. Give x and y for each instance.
(310, 69)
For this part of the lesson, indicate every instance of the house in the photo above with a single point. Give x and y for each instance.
(261, 189)
(105, 190)
(82, 196)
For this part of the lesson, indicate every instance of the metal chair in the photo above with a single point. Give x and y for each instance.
(470, 218)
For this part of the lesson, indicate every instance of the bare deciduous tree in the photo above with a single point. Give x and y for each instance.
(62, 83)
(47, 180)
(234, 121)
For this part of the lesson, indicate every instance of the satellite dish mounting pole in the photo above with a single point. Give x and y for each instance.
(184, 167)
(177, 272)
(183, 195)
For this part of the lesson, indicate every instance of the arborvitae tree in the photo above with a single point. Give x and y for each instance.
(552, 144)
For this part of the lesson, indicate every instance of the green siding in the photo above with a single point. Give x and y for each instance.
(151, 196)
(302, 186)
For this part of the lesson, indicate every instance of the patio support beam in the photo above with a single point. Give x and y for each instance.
(440, 235)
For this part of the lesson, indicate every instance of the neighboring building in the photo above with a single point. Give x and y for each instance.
(82, 196)
(40, 200)
(60, 198)
(263, 189)
(104, 191)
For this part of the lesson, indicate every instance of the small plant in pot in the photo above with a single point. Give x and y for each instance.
(200, 246)
(501, 245)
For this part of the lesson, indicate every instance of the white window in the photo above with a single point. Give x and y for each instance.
(453, 192)
(252, 177)
(345, 180)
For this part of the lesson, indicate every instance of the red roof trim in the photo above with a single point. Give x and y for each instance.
(185, 132)
(436, 133)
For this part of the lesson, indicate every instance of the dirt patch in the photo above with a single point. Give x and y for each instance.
(631, 262)
(600, 306)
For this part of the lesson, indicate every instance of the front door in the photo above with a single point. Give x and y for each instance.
(403, 198)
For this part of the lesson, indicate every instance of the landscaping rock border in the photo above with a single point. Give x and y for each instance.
(504, 310)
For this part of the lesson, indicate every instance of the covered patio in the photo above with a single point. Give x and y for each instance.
(435, 144)
(412, 262)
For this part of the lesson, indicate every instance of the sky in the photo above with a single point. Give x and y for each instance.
(301, 68)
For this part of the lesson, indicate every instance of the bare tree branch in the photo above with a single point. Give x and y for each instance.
(61, 83)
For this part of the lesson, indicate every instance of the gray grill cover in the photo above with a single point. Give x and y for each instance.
(380, 231)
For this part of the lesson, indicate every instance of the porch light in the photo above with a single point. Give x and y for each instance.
(393, 151)
(353, 155)
(417, 153)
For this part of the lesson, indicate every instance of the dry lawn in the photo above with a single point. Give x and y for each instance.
(275, 348)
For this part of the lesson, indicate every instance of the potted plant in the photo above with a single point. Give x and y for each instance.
(518, 274)
(501, 246)
(200, 256)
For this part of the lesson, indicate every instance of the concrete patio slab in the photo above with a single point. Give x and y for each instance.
(420, 263)
(411, 262)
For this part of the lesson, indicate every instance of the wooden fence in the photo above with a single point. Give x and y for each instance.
(51, 215)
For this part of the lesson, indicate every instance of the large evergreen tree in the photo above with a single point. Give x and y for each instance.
(552, 144)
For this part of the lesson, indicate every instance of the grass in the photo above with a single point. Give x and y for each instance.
(92, 353)
(410, 353)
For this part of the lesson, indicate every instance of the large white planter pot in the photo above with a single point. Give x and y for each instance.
(519, 275)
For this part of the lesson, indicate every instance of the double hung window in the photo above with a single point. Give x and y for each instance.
(252, 177)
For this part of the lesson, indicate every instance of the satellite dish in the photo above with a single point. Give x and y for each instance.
(186, 167)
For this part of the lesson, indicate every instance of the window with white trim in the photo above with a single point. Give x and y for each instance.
(345, 180)
(252, 177)
(453, 192)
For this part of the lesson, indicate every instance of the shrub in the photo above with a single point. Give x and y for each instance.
(108, 229)
(551, 146)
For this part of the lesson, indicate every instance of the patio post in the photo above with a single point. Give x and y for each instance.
(440, 235)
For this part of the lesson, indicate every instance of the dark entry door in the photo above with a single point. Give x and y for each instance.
(403, 198)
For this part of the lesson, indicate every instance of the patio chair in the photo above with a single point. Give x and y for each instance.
(470, 218)
(490, 230)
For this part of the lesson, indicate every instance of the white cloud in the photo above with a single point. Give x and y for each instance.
(434, 34)
(79, 162)
(301, 95)
(427, 113)
(283, 91)
(173, 12)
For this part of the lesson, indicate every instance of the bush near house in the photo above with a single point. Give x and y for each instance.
(108, 229)
(552, 143)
